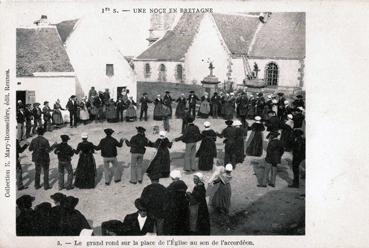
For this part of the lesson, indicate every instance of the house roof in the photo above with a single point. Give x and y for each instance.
(40, 50)
(283, 36)
(175, 43)
(238, 32)
(65, 28)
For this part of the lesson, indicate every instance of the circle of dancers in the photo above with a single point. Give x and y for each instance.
(172, 210)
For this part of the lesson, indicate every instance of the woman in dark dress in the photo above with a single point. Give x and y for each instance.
(181, 106)
(208, 150)
(111, 111)
(239, 143)
(287, 133)
(160, 165)
(255, 141)
(57, 115)
(158, 109)
(199, 213)
(131, 114)
(220, 199)
(86, 167)
(229, 108)
(204, 110)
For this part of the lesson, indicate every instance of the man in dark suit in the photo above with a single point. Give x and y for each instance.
(192, 99)
(20, 122)
(138, 223)
(40, 149)
(273, 157)
(190, 137)
(37, 113)
(65, 153)
(144, 106)
(242, 106)
(229, 135)
(72, 107)
(28, 117)
(298, 155)
(56, 213)
(108, 147)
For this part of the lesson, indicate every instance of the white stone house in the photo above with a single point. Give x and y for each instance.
(233, 43)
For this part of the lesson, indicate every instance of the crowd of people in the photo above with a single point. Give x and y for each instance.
(174, 210)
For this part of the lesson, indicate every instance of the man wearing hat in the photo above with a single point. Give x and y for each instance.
(20, 149)
(299, 102)
(298, 117)
(40, 148)
(138, 143)
(190, 137)
(20, 122)
(65, 153)
(72, 107)
(144, 106)
(25, 219)
(242, 107)
(229, 135)
(56, 213)
(273, 157)
(138, 223)
(215, 104)
(192, 99)
(108, 147)
(28, 117)
(46, 112)
(167, 101)
(36, 112)
(298, 155)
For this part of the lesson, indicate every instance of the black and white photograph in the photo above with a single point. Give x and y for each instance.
(199, 130)
(182, 124)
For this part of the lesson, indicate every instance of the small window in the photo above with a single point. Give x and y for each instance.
(271, 74)
(179, 73)
(109, 70)
(147, 70)
(162, 73)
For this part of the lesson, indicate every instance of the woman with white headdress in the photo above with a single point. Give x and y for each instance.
(221, 198)
(160, 165)
(287, 133)
(158, 109)
(86, 167)
(199, 221)
(255, 141)
(204, 109)
(208, 150)
(83, 113)
(239, 143)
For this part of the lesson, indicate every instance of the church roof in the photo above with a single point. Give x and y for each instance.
(40, 50)
(175, 43)
(65, 28)
(283, 36)
(238, 32)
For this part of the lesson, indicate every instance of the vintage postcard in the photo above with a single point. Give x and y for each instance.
(183, 123)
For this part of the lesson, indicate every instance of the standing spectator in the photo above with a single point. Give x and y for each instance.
(287, 133)
(208, 150)
(215, 105)
(298, 117)
(229, 138)
(131, 114)
(92, 93)
(221, 198)
(160, 165)
(273, 157)
(56, 212)
(137, 144)
(199, 213)
(86, 167)
(42, 220)
(181, 106)
(65, 153)
(57, 116)
(192, 100)
(20, 149)
(190, 137)
(167, 101)
(238, 151)
(138, 223)
(20, 122)
(166, 116)
(46, 111)
(108, 147)
(25, 219)
(36, 112)
(111, 111)
(72, 107)
(298, 155)
(120, 109)
(204, 109)
(40, 149)
(28, 117)
(84, 114)
(144, 106)
(242, 105)
(158, 109)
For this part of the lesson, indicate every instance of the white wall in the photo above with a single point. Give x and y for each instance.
(171, 68)
(206, 45)
(288, 70)
(89, 50)
(48, 88)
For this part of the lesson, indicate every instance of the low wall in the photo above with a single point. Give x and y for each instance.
(176, 89)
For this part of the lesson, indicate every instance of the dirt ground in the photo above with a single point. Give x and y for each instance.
(254, 211)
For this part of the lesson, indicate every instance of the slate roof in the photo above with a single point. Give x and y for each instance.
(175, 43)
(237, 32)
(283, 36)
(40, 50)
(65, 28)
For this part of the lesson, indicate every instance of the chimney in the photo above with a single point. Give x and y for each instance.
(264, 16)
(42, 21)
